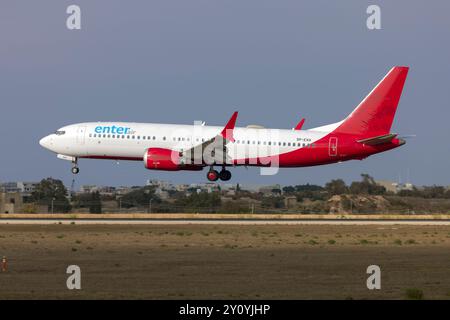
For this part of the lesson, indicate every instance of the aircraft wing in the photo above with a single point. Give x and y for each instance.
(212, 151)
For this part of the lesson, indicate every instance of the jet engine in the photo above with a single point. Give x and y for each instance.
(167, 160)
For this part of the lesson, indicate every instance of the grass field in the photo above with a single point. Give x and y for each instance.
(225, 261)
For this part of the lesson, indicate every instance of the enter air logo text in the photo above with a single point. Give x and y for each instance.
(113, 129)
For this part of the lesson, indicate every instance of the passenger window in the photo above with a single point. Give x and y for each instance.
(143, 137)
(154, 137)
(164, 138)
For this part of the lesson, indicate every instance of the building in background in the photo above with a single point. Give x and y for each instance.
(394, 187)
(25, 188)
(270, 190)
(390, 186)
(88, 188)
(10, 202)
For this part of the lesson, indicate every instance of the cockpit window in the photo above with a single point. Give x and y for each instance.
(60, 132)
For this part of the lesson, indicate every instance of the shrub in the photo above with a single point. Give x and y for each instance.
(414, 294)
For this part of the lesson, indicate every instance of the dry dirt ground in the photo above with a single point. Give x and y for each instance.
(224, 261)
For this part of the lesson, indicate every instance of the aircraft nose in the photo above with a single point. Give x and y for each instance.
(45, 142)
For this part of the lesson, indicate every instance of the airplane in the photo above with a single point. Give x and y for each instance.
(173, 147)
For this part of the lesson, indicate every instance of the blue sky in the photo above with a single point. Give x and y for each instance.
(180, 61)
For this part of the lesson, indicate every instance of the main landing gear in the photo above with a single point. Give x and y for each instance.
(214, 175)
(75, 168)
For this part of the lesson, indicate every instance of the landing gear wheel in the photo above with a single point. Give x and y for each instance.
(75, 170)
(225, 175)
(212, 175)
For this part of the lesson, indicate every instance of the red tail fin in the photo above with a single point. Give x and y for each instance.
(374, 115)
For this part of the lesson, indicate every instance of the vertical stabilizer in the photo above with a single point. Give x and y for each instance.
(375, 114)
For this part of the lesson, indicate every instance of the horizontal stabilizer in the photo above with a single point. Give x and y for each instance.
(378, 140)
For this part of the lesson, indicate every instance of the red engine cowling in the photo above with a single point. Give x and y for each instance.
(165, 159)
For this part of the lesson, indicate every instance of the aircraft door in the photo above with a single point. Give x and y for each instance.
(81, 132)
(333, 145)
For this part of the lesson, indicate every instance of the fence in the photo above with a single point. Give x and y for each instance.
(225, 207)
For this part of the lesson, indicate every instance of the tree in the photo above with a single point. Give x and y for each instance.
(202, 199)
(308, 188)
(336, 186)
(53, 193)
(272, 202)
(367, 186)
(140, 197)
(289, 189)
(95, 203)
(276, 191)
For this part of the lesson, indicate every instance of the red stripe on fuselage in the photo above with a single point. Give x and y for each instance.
(347, 149)
(113, 158)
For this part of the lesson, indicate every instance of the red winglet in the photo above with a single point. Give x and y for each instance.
(300, 124)
(227, 131)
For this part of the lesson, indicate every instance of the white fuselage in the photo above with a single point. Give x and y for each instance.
(125, 140)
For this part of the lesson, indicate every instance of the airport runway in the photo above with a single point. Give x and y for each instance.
(47, 221)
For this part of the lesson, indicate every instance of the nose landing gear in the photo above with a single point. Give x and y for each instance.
(75, 168)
